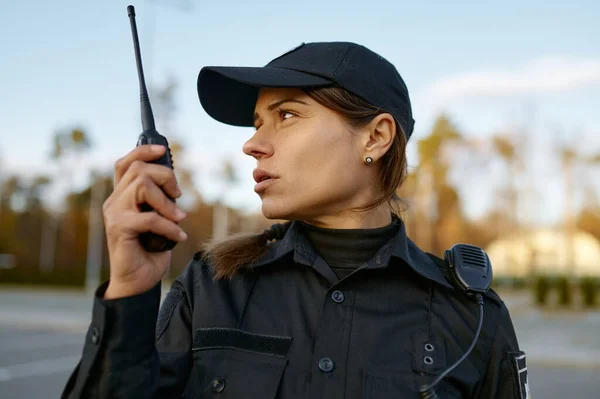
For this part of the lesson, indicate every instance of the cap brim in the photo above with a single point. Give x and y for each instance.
(229, 94)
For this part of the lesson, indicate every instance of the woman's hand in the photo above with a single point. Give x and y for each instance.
(133, 270)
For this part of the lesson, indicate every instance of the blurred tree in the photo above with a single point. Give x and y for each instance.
(12, 187)
(70, 141)
(407, 193)
(35, 192)
(431, 180)
(95, 232)
(81, 229)
(510, 151)
(590, 196)
(568, 155)
(507, 149)
(451, 226)
(185, 176)
(569, 158)
(69, 145)
(2, 177)
(228, 176)
(32, 218)
(589, 218)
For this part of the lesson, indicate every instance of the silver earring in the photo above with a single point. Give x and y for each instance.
(369, 160)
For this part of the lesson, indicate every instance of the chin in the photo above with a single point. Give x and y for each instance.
(276, 210)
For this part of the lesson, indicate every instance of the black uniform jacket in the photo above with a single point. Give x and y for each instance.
(288, 328)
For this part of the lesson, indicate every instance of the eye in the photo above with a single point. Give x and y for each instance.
(285, 114)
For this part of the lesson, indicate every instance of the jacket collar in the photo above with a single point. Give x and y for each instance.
(400, 247)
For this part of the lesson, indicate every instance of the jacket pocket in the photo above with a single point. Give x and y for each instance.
(386, 384)
(233, 364)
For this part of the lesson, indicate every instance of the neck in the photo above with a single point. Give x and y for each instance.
(375, 218)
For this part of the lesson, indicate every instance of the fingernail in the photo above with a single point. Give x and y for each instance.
(182, 235)
(157, 148)
(179, 192)
(179, 213)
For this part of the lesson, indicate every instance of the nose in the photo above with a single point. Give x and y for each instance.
(258, 147)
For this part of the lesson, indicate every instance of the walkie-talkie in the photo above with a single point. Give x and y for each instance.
(152, 242)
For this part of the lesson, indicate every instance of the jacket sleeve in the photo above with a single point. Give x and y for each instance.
(132, 349)
(506, 372)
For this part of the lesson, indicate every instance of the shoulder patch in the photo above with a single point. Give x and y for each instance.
(518, 364)
(166, 311)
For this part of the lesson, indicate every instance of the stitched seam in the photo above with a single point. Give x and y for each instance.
(429, 311)
(162, 324)
(343, 62)
(243, 332)
(237, 349)
(241, 318)
(351, 315)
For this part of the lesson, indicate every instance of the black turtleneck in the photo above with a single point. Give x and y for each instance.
(345, 250)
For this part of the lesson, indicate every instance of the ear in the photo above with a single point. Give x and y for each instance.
(378, 136)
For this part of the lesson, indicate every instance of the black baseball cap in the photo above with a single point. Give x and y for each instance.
(229, 93)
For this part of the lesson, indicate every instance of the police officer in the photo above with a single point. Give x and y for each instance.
(335, 303)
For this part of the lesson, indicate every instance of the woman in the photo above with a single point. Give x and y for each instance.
(335, 303)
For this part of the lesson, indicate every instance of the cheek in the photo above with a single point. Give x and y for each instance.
(324, 164)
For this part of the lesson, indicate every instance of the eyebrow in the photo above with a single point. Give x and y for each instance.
(276, 104)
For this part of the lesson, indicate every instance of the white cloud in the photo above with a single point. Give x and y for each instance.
(543, 75)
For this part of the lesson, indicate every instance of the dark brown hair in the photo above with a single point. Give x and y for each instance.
(227, 256)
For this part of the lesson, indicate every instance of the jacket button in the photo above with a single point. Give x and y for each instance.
(218, 385)
(326, 364)
(337, 296)
(95, 335)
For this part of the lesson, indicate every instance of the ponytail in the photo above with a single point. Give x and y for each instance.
(226, 257)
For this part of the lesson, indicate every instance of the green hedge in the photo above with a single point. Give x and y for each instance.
(541, 288)
(565, 288)
(589, 291)
(565, 291)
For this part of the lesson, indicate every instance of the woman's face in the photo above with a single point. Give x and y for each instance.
(316, 161)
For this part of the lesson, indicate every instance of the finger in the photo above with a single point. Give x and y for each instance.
(144, 152)
(162, 175)
(144, 190)
(151, 221)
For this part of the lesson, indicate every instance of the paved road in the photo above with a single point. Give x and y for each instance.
(35, 363)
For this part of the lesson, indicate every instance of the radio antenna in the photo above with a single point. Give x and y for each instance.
(146, 108)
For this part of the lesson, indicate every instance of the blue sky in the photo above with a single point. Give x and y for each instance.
(492, 66)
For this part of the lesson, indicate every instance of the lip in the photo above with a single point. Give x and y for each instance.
(263, 185)
(260, 175)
